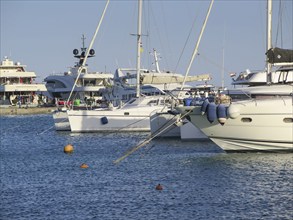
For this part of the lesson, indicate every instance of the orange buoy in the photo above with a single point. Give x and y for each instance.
(68, 149)
(84, 166)
(159, 187)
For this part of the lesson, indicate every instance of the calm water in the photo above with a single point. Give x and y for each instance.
(39, 181)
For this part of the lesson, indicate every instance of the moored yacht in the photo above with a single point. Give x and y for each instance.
(18, 86)
(257, 118)
(89, 84)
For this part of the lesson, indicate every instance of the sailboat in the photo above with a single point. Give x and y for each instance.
(261, 122)
(134, 115)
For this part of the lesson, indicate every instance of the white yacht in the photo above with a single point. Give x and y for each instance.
(89, 85)
(18, 86)
(256, 78)
(132, 116)
(263, 121)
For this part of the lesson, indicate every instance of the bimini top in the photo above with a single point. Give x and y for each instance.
(278, 55)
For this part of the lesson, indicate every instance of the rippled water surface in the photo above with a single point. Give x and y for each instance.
(39, 181)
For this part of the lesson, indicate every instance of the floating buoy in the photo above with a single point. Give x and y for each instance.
(159, 187)
(84, 166)
(68, 149)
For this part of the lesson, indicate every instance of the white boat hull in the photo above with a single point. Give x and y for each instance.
(164, 124)
(61, 121)
(236, 145)
(119, 120)
(261, 125)
(189, 132)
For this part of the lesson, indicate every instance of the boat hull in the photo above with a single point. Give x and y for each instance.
(164, 124)
(61, 121)
(119, 120)
(262, 125)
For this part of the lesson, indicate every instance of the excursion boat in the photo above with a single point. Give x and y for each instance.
(88, 86)
(18, 86)
(262, 120)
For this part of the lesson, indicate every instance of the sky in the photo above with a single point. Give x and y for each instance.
(42, 34)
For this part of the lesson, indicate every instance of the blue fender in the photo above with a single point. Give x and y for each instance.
(211, 112)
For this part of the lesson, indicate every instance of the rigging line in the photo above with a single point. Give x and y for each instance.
(279, 25)
(88, 50)
(158, 31)
(197, 44)
(185, 44)
(161, 130)
(213, 62)
(51, 127)
(48, 129)
(150, 137)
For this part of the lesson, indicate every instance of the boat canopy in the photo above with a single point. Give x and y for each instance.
(171, 78)
(15, 74)
(278, 55)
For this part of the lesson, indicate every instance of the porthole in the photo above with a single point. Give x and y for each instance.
(288, 120)
(246, 120)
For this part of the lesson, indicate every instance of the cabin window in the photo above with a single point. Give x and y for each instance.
(246, 120)
(288, 120)
(126, 113)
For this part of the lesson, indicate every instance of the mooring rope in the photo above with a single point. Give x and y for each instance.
(148, 139)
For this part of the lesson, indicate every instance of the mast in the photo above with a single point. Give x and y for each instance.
(197, 44)
(156, 61)
(88, 50)
(269, 38)
(83, 43)
(138, 48)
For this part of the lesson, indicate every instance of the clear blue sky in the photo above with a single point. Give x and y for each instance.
(42, 34)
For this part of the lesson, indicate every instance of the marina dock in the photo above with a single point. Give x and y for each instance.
(15, 110)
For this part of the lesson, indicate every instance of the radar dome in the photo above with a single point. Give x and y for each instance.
(92, 52)
(75, 51)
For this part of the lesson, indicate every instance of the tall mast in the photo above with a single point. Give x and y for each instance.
(269, 38)
(138, 48)
(156, 61)
(83, 43)
(197, 44)
(88, 50)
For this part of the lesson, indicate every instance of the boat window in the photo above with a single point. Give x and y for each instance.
(126, 113)
(288, 120)
(131, 101)
(246, 120)
(283, 77)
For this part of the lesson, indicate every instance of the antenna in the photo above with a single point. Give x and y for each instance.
(83, 42)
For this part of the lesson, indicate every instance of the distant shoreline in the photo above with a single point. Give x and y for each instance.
(15, 110)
